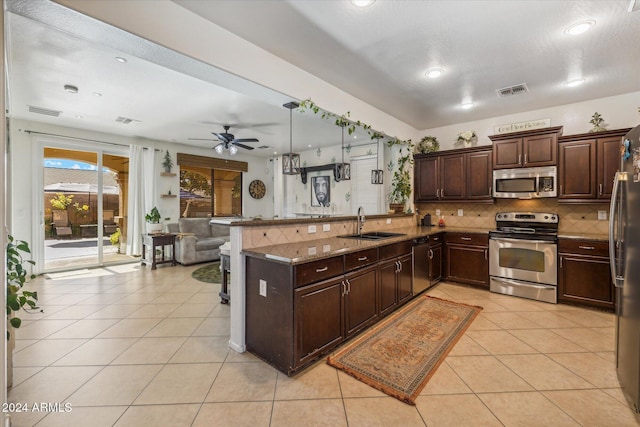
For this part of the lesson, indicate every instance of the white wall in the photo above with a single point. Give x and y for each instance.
(618, 112)
(24, 149)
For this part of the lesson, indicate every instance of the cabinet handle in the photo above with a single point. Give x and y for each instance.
(436, 239)
(561, 262)
(349, 286)
(465, 238)
(438, 193)
(485, 254)
(430, 254)
(344, 289)
(519, 159)
(600, 186)
(442, 192)
(561, 192)
(590, 248)
(320, 270)
(362, 258)
(525, 159)
(397, 267)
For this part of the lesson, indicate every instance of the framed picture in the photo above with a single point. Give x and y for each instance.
(320, 191)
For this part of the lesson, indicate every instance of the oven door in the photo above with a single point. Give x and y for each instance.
(528, 260)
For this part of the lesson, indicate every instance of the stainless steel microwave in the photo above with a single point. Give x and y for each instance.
(525, 183)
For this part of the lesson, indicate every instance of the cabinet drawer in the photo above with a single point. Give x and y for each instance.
(584, 247)
(468, 238)
(436, 239)
(318, 270)
(360, 259)
(397, 249)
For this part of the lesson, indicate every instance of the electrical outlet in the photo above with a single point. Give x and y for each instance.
(311, 229)
(388, 220)
(602, 215)
(460, 212)
(326, 248)
(437, 212)
(263, 288)
(326, 227)
(311, 250)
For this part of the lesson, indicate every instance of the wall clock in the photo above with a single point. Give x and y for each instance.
(257, 189)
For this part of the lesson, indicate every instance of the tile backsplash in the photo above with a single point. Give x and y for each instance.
(573, 217)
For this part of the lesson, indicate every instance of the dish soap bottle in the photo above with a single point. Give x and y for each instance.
(441, 221)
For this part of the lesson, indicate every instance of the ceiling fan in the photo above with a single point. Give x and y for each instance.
(228, 141)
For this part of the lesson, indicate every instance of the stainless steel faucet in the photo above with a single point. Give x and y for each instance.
(361, 219)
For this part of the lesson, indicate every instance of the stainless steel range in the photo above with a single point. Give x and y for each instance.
(523, 253)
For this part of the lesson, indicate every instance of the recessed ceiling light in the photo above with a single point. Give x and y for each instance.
(71, 88)
(434, 73)
(98, 94)
(579, 28)
(362, 3)
(466, 105)
(121, 59)
(574, 83)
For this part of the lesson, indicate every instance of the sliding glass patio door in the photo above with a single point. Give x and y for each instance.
(82, 209)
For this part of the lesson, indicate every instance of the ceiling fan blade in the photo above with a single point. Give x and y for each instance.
(246, 147)
(245, 140)
(220, 136)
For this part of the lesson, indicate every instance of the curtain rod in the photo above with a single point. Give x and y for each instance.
(79, 139)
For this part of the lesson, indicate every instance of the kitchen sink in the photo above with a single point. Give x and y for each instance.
(372, 235)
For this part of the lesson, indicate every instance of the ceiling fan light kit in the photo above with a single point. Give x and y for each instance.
(377, 174)
(291, 160)
(342, 171)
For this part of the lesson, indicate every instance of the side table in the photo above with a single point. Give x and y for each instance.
(160, 240)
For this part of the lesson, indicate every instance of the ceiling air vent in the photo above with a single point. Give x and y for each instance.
(125, 120)
(45, 111)
(513, 90)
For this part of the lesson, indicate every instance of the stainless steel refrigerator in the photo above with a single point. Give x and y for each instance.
(624, 252)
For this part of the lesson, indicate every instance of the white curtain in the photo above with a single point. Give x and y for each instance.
(142, 191)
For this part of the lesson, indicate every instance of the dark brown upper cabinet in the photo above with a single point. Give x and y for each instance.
(526, 149)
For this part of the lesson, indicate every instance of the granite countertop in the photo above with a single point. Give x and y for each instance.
(584, 236)
(297, 253)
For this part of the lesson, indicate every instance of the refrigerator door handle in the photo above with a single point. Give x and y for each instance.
(615, 279)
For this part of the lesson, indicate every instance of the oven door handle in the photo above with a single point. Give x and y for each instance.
(529, 285)
(505, 239)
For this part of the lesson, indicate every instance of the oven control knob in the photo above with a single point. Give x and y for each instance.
(546, 217)
(553, 217)
(499, 216)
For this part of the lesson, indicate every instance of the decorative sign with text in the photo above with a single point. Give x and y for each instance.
(517, 127)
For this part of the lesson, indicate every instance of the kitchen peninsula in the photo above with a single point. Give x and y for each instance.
(306, 290)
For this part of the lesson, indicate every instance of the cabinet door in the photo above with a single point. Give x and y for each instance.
(576, 171)
(540, 150)
(361, 299)
(388, 287)
(318, 318)
(426, 179)
(608, 164)
(435, 264)
(586, 280)
(479, 175)
(468, 264)
(507, 154)
(452, 177)
(405, 279)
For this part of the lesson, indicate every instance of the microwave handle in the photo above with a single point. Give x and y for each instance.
(537, 180)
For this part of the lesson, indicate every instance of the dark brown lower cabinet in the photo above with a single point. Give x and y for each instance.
(360, 299)
(396, 280)
(319, 318)
(584, 275)
(435, 263)
(467, 258)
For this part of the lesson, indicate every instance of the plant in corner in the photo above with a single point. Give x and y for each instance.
(17, 276)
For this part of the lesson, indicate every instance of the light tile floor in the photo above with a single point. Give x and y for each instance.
(126, 346)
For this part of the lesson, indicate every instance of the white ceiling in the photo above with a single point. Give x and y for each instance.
(378, 54)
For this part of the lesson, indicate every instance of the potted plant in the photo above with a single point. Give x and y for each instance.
(153, 221)
(167, 164)
(401, 181)
(17, 298)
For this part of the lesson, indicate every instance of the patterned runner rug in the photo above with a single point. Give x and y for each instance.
(400, 354)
